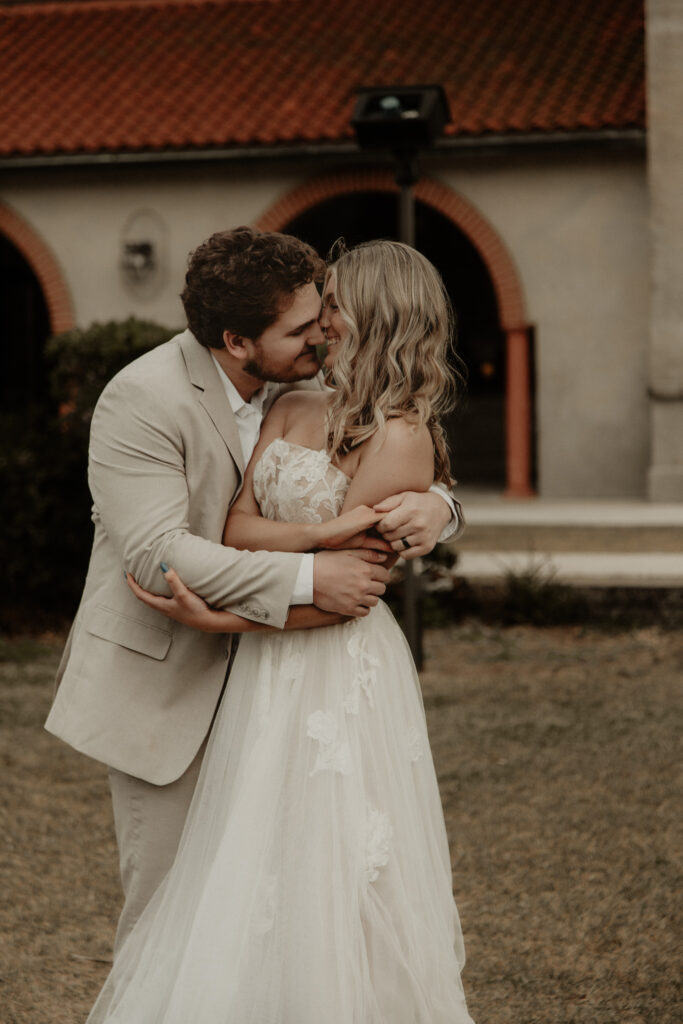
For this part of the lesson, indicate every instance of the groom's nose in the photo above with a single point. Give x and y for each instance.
(315, 335)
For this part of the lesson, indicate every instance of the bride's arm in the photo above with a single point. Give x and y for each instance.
(401, 459)
(248, 530)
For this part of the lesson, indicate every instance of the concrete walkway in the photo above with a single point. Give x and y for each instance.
(484, 509)
(581, 543)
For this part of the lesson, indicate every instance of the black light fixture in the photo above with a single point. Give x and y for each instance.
(399, 117)
(403, 119)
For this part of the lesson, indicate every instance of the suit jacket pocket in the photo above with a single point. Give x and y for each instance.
(136, 635)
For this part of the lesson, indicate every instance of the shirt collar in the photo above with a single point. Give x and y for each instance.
(237, 403)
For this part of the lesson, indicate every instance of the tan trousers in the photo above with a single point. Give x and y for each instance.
(148, 821)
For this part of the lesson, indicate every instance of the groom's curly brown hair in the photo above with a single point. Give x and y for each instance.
(241, 280)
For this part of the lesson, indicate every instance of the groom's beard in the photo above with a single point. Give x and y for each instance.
(265, 368)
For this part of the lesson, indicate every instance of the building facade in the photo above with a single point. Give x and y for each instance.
(542, 233)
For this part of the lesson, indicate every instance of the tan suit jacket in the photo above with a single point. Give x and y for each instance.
(136, 690)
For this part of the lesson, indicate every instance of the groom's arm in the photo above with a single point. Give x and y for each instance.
(422, 518)
(139, 486)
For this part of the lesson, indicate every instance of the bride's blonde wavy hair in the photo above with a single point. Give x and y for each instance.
(395, 359)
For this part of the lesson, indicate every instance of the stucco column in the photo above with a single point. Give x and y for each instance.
(664, 39)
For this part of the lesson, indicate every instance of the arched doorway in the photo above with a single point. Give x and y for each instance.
(477, 429)
(24, 329)
(35, 303)
(492, 434)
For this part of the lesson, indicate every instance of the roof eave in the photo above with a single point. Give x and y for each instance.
(460, 145)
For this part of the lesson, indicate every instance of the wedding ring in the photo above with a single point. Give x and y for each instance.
(405, 543)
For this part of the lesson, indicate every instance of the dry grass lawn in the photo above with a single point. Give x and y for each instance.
(557, 752)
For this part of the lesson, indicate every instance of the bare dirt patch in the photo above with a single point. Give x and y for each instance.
(557, 753)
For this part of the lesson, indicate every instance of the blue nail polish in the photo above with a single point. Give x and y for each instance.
(163, 567)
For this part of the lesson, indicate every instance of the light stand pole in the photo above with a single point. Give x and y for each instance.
(403, 120)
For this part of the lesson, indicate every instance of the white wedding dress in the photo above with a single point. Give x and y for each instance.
(313, 880)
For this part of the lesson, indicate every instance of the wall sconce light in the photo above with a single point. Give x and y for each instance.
(144, 254)
(139, 261)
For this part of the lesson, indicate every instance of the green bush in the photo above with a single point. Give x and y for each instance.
(83, 360)
(44, 509)
(44, 499)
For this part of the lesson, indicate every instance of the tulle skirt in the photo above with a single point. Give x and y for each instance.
(313, 882)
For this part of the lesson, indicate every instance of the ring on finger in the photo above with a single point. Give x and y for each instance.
(405, 542)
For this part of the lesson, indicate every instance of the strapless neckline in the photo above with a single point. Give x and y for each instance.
(305, 448)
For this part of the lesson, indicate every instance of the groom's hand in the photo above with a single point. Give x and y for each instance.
(349, 582)
(412, 522)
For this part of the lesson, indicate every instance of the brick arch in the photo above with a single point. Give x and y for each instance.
(450, 204)
(504, 276)
(44, 266)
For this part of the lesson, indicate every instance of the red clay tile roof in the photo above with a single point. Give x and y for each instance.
(138, 75)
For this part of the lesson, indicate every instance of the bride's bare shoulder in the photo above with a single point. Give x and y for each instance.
(298, 410)
(296, 399)
(298, 403)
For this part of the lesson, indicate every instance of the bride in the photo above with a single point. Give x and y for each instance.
(313, 882)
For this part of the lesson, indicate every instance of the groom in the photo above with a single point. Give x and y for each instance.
(170, 438)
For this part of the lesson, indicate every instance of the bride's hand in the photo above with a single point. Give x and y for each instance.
(184, 606)
(349, 530)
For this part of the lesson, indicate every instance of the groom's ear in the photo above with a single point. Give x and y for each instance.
(235, 344)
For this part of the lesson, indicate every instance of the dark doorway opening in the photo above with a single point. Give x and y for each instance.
(477, 428)
(24, 329)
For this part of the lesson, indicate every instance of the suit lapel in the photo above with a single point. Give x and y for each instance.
(204, 376)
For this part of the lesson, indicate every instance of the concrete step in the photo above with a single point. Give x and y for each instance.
(611, 569)
(510, 537)
(605, 543)
(583, 543)
(485, 509)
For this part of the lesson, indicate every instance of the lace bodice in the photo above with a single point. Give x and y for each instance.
(294, 484)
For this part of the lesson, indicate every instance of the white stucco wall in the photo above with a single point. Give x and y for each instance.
(81, 214)
(577, 231)
(574, 225)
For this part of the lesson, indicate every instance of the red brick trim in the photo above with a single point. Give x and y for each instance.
(491, 248)
(450, 204)
(44, 266)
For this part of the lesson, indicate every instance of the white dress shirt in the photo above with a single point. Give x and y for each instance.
(249, 416)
